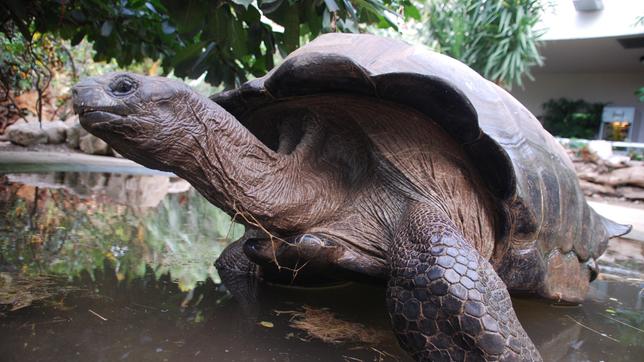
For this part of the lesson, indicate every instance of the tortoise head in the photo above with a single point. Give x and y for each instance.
(139, 116)
(163, 124)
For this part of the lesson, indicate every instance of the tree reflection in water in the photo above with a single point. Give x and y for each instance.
(69, 223)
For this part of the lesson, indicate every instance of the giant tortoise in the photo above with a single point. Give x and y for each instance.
(365, 158)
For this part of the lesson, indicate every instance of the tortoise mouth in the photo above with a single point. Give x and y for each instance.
(99, 119)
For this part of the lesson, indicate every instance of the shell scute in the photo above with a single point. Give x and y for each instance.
(316, 73)
(432, 95)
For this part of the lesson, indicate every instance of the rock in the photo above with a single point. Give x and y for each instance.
(617, 161)
(588, 175)
(635, 163)
(72, 120)
(56, 131)
(138, 191)
(590, 188)
(93, 145)
(86, 184)
(178, 185)
(623, 176)
(73, 136)
(582, 167)
(631, 193)
(26, 134)
(29, 118)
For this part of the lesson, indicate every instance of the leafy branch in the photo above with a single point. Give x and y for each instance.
(231, 40)
(497, 38)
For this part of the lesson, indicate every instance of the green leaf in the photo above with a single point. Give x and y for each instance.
(312, 18)
(411, 12)
(185, 57)
(291, 29)
(178, 30)
(187, 15)
(198, 67)
(237, 37)
(640, 94)
(250, 15)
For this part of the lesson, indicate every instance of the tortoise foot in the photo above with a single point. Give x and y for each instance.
(445, 300)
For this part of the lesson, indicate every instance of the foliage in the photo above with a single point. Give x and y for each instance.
(636, 155)
(229, 39)
(576, 144)
(29, 64)
(640, 94)
(48, 67)
(497, 38)
(18, 55)
(55, 232)
(567, 118)
(192, 233)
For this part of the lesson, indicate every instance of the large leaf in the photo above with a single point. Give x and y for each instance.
(181, 32)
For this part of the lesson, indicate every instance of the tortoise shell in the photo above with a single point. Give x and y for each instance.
(549, 236)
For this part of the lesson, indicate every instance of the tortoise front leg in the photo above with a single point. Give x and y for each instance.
(239, 275)
(445, 300)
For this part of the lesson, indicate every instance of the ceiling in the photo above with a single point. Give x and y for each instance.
(598, 55)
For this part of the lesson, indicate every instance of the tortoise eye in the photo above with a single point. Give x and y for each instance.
(123, 86)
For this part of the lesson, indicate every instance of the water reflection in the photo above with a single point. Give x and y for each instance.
(67, 223)
(119, 267)
(135, 191)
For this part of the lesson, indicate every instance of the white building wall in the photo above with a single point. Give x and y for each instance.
(614, 88)
(618, 18)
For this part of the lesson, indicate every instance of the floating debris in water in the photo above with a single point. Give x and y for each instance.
(98, 315)
(324, 325)
(592, 330)
(18, 291)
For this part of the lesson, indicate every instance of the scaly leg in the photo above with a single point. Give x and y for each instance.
(239, 275)
(445, 300)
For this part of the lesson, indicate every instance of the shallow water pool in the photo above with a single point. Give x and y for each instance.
(105, 266)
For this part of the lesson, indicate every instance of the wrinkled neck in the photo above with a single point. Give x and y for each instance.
(231, 168)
